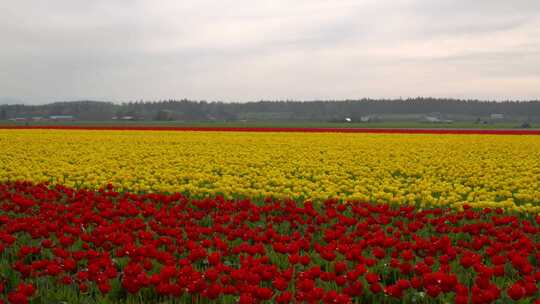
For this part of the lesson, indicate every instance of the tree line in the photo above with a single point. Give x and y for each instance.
(318, 110)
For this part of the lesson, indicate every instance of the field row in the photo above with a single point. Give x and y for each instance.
(406, 169)
(60, 245)
(388, 130)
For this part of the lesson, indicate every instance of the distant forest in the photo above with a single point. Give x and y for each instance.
(353, 110)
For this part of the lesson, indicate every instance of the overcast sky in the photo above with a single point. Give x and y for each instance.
(244, 50)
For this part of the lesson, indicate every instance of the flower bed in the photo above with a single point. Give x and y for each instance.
(408, 169)
(60, 244)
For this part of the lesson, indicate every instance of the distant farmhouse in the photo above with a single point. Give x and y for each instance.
(62, 118)
(124, 118)
(367, 118)
(434, 119)
(19, 119)
(41, 118)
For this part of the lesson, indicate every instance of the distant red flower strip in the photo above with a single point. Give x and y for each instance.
(277, 129)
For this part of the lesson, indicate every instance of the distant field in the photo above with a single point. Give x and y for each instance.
(280, 124)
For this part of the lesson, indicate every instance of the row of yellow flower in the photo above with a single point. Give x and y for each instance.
(485, 171)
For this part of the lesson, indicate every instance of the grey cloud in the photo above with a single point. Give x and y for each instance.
(245, 50)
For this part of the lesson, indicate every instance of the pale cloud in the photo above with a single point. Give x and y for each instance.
(249, 50)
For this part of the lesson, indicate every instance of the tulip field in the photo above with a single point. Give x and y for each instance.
(282, 216)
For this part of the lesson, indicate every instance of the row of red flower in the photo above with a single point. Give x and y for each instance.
(284, 129)
(60, 244)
